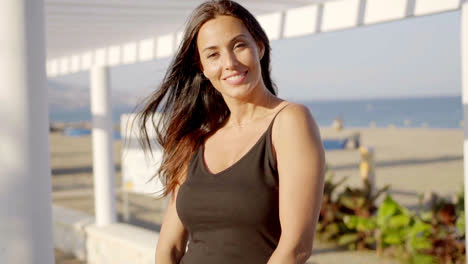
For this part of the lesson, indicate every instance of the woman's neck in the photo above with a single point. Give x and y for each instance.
(257, 106)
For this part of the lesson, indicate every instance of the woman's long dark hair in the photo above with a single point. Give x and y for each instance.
(190, 107)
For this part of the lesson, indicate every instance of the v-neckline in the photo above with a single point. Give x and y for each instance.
(205, 167)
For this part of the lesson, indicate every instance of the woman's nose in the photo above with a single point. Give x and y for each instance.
(230, 60)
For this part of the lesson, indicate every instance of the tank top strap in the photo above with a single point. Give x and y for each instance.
(272, 121)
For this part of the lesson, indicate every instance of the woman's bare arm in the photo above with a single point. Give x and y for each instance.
(173, 236)
(301, 161)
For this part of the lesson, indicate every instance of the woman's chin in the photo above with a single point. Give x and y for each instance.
(239, 92)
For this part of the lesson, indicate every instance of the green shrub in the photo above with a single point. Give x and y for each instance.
(432, 235)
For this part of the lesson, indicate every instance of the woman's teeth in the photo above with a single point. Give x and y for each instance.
(236, 77)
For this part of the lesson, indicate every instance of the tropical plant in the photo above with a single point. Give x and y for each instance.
(358, 205)
(330, 223)
(447, 235)
(434, 234)
(350, 203)
(402, 234)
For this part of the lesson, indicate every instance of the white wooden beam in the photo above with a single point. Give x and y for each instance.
(464, 78)
(25, 175)
(103, 161)
(319, 17)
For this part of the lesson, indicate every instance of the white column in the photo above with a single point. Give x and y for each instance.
(25, 178)
(103, 161)
(464, 71)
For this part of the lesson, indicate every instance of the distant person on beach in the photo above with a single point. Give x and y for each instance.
(338, 123)
(243, 168)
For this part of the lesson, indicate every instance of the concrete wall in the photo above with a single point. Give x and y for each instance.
(76, 233)
(137, 167)
(69, 230)
(120, 244)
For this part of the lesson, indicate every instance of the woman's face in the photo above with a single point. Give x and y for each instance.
(230, 57)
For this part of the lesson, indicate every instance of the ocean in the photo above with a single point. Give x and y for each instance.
(432, 112)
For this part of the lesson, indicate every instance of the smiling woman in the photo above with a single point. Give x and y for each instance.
(230, 56)
(244, 168)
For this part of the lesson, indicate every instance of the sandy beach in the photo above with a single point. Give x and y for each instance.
(411, 160)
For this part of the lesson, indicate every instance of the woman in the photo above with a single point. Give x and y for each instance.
(244, 168)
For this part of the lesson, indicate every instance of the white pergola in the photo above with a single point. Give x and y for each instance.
(47, 38)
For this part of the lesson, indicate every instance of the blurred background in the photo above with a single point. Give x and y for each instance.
(383, 81)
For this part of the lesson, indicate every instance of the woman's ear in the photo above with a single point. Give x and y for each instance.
(261, 50)
(203, 72)
(201, 69)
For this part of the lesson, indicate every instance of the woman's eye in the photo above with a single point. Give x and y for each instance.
(240, 45)
(212, 55)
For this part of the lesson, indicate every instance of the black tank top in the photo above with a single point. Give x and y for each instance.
(232, 216)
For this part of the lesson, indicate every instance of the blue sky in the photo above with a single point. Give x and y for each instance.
(416, 57)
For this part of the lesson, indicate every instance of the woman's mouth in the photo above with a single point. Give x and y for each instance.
(236, 79)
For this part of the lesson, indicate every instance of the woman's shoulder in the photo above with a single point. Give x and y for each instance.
(293, 112)
(294, 120)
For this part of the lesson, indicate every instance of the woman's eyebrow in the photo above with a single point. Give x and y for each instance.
(238, 36)
(209, 48)
(232, 40)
